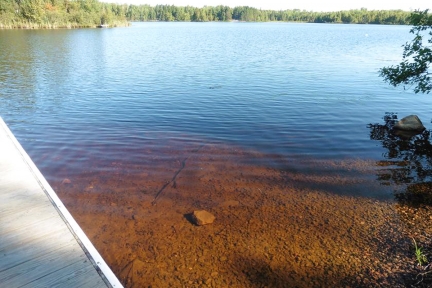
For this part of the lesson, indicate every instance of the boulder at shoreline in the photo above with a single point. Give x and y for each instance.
(410, 123)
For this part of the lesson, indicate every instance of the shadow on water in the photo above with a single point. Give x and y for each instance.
(408, 161)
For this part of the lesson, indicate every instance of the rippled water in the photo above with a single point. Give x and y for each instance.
(293, 90)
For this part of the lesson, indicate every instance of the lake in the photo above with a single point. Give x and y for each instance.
(129, 115)
(302, 89)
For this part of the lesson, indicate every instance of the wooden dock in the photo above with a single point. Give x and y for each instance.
(41, 245)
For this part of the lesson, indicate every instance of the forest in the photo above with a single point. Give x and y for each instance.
(91, 13)
(250, 14)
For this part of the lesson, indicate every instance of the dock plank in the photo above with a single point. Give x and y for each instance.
(41, 245)
(62, 263)
(23, 247)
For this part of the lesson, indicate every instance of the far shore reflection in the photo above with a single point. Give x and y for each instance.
(408, 161)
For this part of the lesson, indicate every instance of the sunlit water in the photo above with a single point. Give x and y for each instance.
(298, 91)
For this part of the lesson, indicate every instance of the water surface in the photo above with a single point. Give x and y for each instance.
(306, 90)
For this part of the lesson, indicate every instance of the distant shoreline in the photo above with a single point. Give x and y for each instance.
(49, 26)
(90, 14)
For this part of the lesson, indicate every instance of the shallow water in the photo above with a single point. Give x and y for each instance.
(194, 115)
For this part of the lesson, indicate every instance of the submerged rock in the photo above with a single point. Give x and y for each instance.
(410, 123)
(202, 217)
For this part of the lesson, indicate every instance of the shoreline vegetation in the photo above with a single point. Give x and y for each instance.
(51, 14)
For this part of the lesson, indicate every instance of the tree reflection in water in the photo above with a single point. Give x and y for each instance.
(408, 161)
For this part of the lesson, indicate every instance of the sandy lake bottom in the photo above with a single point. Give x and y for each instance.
(274, 227)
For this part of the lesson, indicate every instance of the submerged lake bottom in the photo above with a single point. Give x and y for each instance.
(280, 221)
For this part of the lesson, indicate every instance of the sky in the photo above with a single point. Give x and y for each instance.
(309, 5)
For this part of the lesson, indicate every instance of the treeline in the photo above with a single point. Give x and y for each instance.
(90, 13)
(60, 14)
(245, 13)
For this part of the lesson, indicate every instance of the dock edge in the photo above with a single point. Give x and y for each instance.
(92, 254)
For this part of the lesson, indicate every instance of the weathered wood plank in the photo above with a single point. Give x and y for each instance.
(76, 276)
(24, 246)
(40, 263)
(24, 219)
(62, 262)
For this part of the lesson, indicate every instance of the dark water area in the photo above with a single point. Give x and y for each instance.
(276, 128)
(295, 90)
